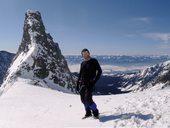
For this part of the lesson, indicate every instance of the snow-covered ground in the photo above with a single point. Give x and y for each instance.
(27, 106)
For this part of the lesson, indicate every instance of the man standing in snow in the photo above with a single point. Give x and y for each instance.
(90, 73)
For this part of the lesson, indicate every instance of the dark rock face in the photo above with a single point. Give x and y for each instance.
(165, 76)
(39, 57)
(33, 23)
(5, 61)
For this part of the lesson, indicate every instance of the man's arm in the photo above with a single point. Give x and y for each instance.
(79, 76)
(99, 71)
(80, 73)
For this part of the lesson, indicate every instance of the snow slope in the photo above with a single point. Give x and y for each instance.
(26, 106)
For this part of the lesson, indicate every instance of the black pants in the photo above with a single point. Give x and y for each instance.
(86, 97)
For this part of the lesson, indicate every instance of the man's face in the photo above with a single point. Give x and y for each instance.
(85, 54)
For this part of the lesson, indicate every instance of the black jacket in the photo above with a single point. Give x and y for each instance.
(89, 71)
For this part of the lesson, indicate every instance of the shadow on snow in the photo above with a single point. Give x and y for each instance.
(105, 118)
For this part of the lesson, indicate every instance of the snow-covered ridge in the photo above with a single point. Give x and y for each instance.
(154, 77)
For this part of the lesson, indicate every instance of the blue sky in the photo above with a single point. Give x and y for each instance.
(105, 27)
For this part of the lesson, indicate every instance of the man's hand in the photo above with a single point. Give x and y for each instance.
(77, 86)
(92, 82)
(92, 85)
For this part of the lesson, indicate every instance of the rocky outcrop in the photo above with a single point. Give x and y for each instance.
(39, 58)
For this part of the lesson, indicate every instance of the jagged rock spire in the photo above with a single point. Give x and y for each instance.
(39, 57)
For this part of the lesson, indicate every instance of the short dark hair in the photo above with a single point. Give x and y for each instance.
(85, 50)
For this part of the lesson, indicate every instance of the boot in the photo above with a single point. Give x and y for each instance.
(88, 114)
(96, 114)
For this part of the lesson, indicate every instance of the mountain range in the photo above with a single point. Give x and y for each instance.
(5, 61)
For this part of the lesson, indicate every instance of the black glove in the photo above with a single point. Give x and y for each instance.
(93, 88)
(77, 87)
(92, 85)
(92, 82)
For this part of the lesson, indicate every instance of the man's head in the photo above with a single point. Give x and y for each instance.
(85, 53)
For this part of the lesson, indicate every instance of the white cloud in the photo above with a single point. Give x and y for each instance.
(142, 19)
(163, 37)
(165, 46)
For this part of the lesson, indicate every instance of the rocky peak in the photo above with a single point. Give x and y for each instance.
(39, 57)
